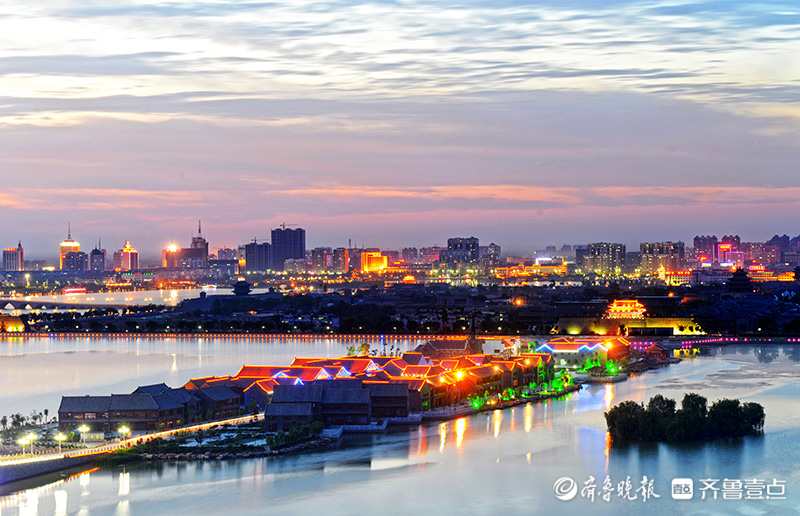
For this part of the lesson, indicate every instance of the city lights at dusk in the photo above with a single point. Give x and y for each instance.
(401, 257)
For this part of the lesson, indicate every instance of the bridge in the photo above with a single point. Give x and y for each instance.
(23, 304)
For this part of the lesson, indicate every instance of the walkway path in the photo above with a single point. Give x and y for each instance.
(110, 447)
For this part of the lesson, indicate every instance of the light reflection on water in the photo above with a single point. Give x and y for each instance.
(497, 461)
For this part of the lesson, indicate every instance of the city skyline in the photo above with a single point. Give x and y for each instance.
(153, 253)
(625, 122)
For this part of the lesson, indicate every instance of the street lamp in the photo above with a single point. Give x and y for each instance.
(60, 437)
(83, 429)
(30, 438)
(124, 430)
(23, 441)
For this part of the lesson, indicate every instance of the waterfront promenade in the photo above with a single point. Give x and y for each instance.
(19, 467)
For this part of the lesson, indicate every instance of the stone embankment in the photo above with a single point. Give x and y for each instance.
(14, 472)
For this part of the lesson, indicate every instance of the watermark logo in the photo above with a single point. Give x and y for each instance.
(682, 488)
(565, 488)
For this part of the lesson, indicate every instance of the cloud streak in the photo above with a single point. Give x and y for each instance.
(606, 196)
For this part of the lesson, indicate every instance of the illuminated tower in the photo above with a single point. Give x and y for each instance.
(127, 258)
(67, 246)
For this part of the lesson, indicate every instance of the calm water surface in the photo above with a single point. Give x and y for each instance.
(502, 462)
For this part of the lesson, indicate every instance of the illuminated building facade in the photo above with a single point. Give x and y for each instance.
(126, 259)
(13, 259)
(605, 259)
(677, 278)
(341, 260)
(625, 309)
(192, 257)
(67, 246)
(287, 244)
(669, 256)
(576, 353)
(705, 248)
(257, 257)
(373, 261)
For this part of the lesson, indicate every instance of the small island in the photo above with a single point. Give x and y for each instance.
(660, 421)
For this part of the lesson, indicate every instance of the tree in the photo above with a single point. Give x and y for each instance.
(753, 415)
(685, 426)
(694, 404)
(726, 418)
(623, 420)
(661, 406)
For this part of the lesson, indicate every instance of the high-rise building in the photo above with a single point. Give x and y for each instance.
(67, 246)
(705, 248)
(354, 259)
(341, 260)
(13, 259)
(460, 251)
(75, 261)
(656, 255)
(430, 254)
(258, 257)
(734, 241)
(410, 254)
(760, 253)
(319, 259)
(97, 260)
(201, 245)
(194, 256)
(226, 253)
(127, 258)
(287, 244)
(581, 251)
(605, 259)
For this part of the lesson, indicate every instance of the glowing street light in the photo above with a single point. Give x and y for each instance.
(22, 442)
(60, 437)
(83, 429)
(124, 430)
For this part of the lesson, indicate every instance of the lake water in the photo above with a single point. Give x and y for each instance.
(501, 462)
(167, 297)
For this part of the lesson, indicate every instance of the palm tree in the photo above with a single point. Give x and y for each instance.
(4, 422)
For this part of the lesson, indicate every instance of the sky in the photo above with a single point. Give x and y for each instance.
(397, 123)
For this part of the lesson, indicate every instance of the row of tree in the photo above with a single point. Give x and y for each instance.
(660, 421)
